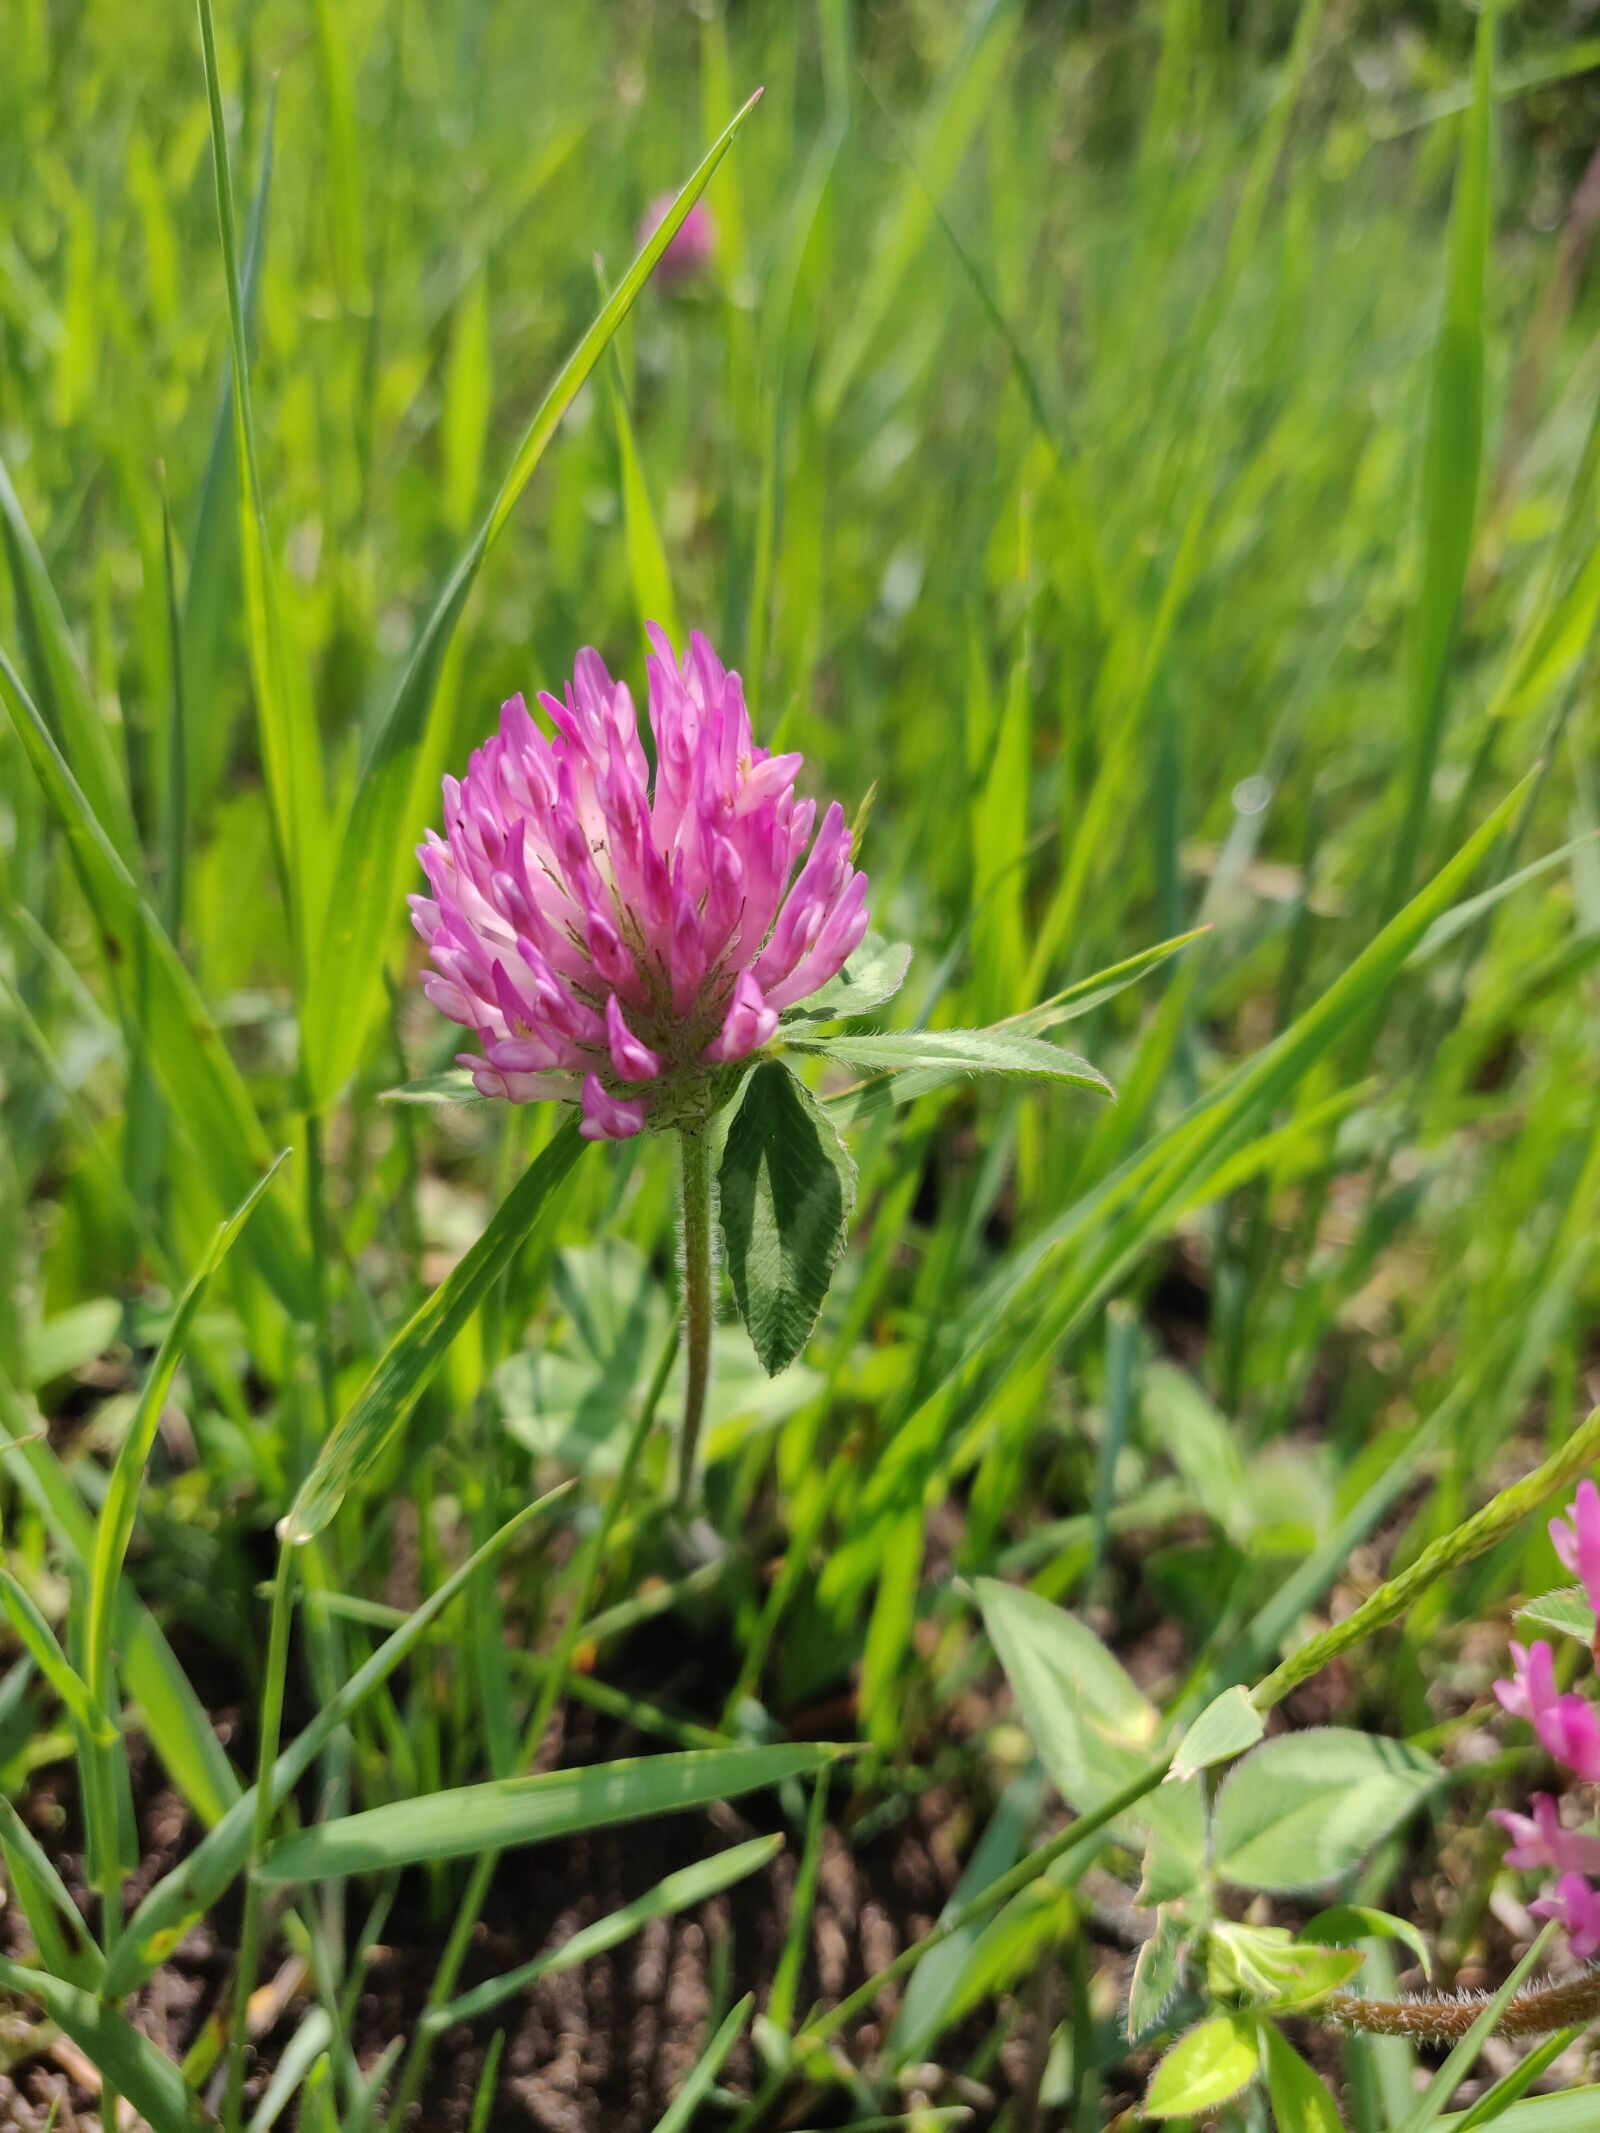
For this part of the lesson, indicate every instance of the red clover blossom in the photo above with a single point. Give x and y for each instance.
(617, 942)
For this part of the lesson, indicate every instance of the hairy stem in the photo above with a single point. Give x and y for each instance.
(694, 1145)
(1534, 2013)
(1471, 1538)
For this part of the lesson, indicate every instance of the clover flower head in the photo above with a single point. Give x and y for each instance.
(1568, 1728)
(692, 248)
(617, 940)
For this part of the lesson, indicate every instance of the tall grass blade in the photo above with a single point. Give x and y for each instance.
(1451, 460)
(375, 846)
(205, 1092)
(417, 1351)
(464, 1822)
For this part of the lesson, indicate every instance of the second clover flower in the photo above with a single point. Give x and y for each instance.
(616, 942)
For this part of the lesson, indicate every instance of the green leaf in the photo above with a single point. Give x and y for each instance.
(1086, 994)
(211, 596)
(1567, 1612)
(932, 1986)
(295, 2062)
(1299, 2095)
(59, 1934)
(676, 1892)
(375, 848)
(1224, 1729)
(1156, 1973)
(961, 1051)
(1267, 1966)
(204, 1089)
(1346, 1923)
(290, 748)
(647, 556)
(787, 1187)
(38, 1640)
(114, 1527)
(1308, 1806)
(129, 2062)
(1079, 999)
(874, 974)
(74, 721)
(1452, 456)
(1093, 1730)
(460, 1823)
(416, 1352)
(679, 2115)
(1204, 2068)
(174, 1716)
(1569, 2111)
(183, 1897)
(71, 1339)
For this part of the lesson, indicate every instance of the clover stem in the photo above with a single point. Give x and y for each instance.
(694, 1144)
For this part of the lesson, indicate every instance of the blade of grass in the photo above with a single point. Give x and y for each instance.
(374, 848)
(126, 2061)
(676, 1892)
(417, 1350)
(290, 750)
(459, 1823)
(181, 1898)
(64, 692)
(1451, 463)
(679, 2115)
(206, 1095)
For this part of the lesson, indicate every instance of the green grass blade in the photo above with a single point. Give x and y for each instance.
(114, 1527)
(1463, 2056)
(680, 2112)
(417, 1351)
(375, 847)
(129, 2063)
(676, 1892)
(1451, 461)
(174, 1716)
(461, 1823)
(38, 1640)
(290, 751)
(181, 1898)
(211, 594)
(647, 555)
(75, 724)
(205, 1092)
(965, 100)
(65, 1948)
